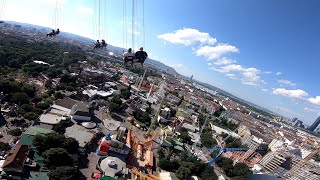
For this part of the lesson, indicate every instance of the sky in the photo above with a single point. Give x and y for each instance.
(264, 51)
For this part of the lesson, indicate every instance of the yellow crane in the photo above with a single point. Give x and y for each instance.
(302, 163)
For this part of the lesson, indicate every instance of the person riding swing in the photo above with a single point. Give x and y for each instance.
(141, 56)
(128, 56)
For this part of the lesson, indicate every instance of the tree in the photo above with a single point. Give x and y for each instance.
(27, 107)
(185, 137)
(29, 90)
(57, 157)
(43, 106)
(207, 140)
(141, 116)
(173, 112)
(15, 132)
(236, 144)
(20, 98)
(60, 127)
(209, 174)
(4, 146)
(63, 173)
(241, 169)
(31, 116)
(113, 107)
(222, 161)
(125, 93)
(183, 172)
(71, 145)
(39, 142)
(58, 95)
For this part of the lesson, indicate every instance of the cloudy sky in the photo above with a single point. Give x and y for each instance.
(266, 51)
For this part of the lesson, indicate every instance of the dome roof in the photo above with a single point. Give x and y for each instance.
(89, 125)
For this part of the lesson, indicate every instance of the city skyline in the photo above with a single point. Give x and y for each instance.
(242, 48)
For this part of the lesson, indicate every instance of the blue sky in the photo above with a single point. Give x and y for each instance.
(266, 52)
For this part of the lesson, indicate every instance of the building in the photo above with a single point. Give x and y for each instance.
(315, 124)
(81, 112)
(272, 161)
(15, 163)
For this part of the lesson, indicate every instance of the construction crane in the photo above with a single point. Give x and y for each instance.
(302, 163)
(142, 176)
(223, 150)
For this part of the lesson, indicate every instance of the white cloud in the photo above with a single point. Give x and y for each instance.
(265, 90)
(315, 100)
(249, 83)
(177, 65)
(267, 72)
(296, 93)
(209, 64)
(310, 110)
(215, 52)
(224, 61)
(187, 36)
(286, 82)
(85, 10)
(279, 73)
(249, 76)
(230, 75)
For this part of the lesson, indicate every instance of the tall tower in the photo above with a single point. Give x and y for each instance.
(191, 77)
(315, 124)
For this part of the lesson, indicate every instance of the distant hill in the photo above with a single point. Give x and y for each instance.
(114, 49)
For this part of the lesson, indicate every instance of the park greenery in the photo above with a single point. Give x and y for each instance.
(184, 165)
(4, 146)
(184, 136)
(60, 127)
(207, 140)
(226, 124)
(115, 104)
(15, 132)
(237, 171)
(125, 93)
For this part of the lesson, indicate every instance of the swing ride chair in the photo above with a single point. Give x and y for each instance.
(55, 19)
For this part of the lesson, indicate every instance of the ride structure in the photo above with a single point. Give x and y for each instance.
(3, 4)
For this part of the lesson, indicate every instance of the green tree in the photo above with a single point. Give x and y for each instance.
(186, 169)
(71, 145)
(15, 132)
(29, 90)
(4, 146)
(209, 174)
(125, 93)
(207, 140)
(58, 95)
(241, 169)
(57, 157)
(63, 173)
(31, 116)
(185, 137)
(20, 98)
(43, 106)
(114, 107)
(27, 107)
(60, 127)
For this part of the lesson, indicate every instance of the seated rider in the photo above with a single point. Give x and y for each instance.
(103, 43)
(52, 33)
(97, 44)
(57, 32)
(128, 56)
(141, 55)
